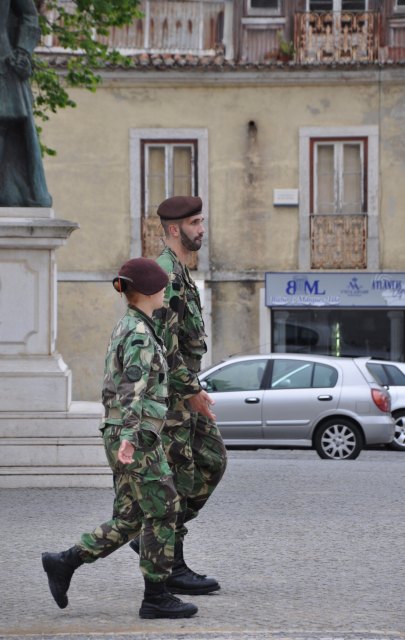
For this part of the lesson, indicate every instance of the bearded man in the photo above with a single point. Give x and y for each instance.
(193, 444)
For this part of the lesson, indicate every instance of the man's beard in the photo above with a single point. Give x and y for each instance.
(191, 245)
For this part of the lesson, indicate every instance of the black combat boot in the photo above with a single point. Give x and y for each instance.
(60, 568)
(182, 579)
(158, 602)
(185, 580)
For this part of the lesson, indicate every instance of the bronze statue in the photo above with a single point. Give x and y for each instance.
(22, 178)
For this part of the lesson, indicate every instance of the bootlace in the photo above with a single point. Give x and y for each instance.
(194, 574)
(181, 569)
(168, 599)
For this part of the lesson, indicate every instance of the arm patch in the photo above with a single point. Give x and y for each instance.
(134, 373)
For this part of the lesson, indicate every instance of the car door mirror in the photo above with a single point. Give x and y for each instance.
(204, 384)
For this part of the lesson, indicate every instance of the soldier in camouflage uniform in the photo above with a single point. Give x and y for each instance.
(192, 441)
(135, 400)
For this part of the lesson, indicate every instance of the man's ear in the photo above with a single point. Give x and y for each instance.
(174, 230)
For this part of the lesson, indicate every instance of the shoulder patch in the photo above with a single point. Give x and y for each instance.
(140, 327)
(140, 335)
(140, 339)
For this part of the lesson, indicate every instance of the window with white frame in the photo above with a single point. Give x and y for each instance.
(337, 5)
(263, 7)
(338, 176)
(400, 5)
(165, 163)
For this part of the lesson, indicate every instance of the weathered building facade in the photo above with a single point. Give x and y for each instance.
(287, 117)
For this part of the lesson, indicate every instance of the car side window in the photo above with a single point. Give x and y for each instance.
(291, 374)
(299, 374)
(239, 376)
(324, 376)
(377, 370)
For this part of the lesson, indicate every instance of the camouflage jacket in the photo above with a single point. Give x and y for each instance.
(135, 376)
(180, 325)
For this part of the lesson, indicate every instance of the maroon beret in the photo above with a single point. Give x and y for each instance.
(144, 275)
(179, 207)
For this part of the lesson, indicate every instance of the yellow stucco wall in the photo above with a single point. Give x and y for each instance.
(86, 316)
(90, 183)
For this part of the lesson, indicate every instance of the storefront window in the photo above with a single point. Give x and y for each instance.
(340, 332)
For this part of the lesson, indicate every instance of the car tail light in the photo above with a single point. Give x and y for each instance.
(381, 399)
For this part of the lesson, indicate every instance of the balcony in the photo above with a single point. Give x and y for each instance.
(338, 241)
(340, 36)
(175, 26)
(207, 28)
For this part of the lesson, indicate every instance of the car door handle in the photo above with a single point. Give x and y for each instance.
(325, 398)
(252, 400)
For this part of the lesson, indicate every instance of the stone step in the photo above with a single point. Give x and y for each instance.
(82, 419)
(55, 477)
(53, 448)
(52, 451)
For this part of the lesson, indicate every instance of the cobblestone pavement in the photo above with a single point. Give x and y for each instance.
(305, 549)
(214, 635)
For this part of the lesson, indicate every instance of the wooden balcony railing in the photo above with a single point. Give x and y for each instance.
(337, 36)
(339, 241)
(192, 26)
(202, 27)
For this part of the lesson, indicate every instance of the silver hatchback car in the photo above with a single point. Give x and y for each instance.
(291, 400)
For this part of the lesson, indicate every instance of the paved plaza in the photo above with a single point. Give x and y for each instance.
(305, 549)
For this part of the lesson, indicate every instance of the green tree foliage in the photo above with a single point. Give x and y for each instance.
(80, 28)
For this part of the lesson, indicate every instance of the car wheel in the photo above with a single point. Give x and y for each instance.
(398, 442)
(338, 439)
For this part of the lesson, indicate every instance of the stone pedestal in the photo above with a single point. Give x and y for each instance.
(45, 438)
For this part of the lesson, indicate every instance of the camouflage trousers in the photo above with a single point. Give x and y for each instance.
(146, 504)
(197, 457)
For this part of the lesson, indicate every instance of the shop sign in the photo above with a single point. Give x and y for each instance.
(354, 289)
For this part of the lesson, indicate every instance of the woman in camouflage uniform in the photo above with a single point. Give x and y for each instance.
(135, 400)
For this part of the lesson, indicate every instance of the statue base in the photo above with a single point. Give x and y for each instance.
(35, 383)
(53, 448)
(46, 440)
